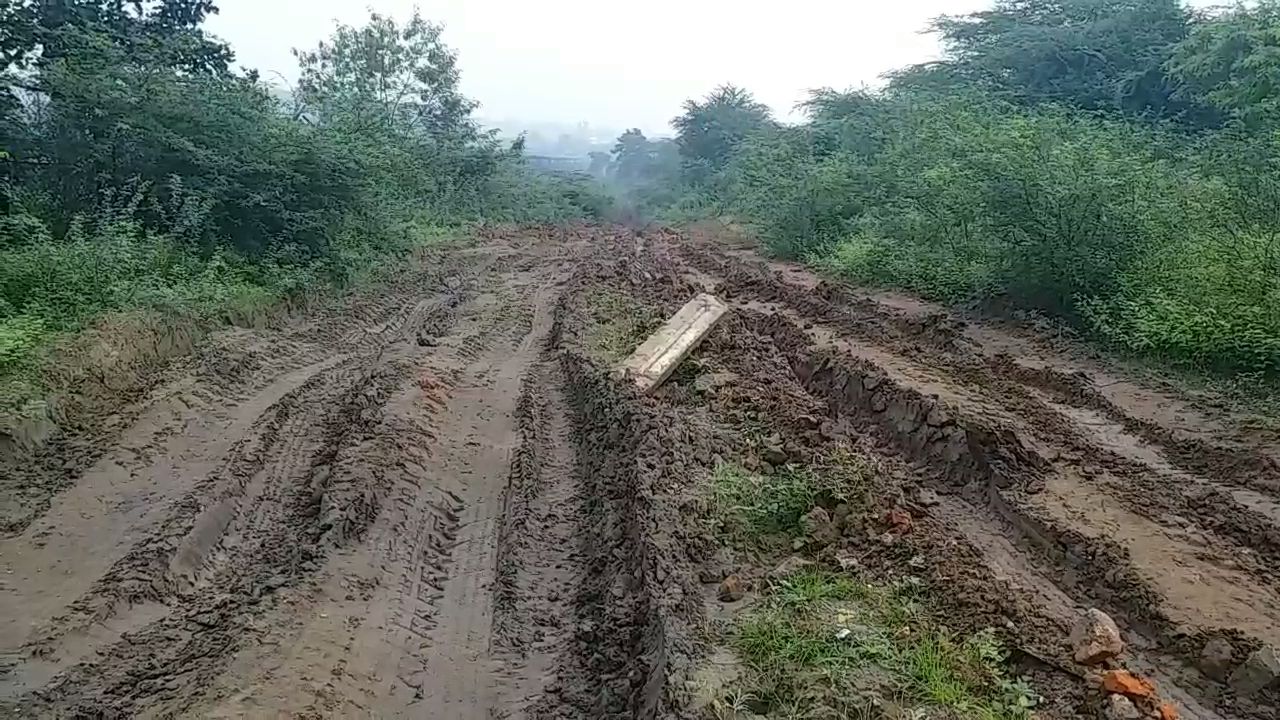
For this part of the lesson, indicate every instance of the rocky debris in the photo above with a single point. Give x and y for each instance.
(1256, 672)
(711, 382)
(1095, 638)
(847, 560)
(925, 497)
(1217, 659)
(1119, 707)
(789, 567)
(819, 528)
(1168, 711)
(773, 452)
(732, 589)
(828, 431)
(1125, 683)
(898, 520)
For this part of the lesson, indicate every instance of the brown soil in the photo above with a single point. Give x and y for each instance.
(437, 501)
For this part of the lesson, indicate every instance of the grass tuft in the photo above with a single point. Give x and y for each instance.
(754, 510)
(827, 645)
(619, 325)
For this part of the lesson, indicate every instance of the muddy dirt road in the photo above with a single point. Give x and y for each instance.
(437, 502)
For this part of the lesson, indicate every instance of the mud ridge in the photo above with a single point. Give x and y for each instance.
(637, 598)
(283, 539)
(1243, 465)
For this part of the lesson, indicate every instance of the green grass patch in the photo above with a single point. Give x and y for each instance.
(826, 645)
(618, 325)
(753, 510)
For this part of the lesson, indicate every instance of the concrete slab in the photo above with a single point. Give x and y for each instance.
(657, 357)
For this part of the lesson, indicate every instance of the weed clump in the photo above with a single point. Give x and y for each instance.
(753, 510)
(824, 644)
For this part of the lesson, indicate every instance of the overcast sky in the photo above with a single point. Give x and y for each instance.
(620, 64)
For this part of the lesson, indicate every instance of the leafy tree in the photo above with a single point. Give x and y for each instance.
(637, 159)
(42, 32)
(385, 74)
(1232, 60)
(709, 130)
(1093, 54)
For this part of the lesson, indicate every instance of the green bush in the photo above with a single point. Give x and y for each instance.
(146, 174)
(1155, 241)
(1112, 164)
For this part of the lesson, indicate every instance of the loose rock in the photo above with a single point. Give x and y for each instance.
(713, 381)
(1256, 672)
(1095, 638)
(818, 527)
(1217, 659)
(1119, 707)
(927, 497)
(898, 520)
(774, 455)
(1126, 683)
(732, 589)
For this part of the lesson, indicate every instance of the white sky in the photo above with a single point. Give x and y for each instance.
(620, 64)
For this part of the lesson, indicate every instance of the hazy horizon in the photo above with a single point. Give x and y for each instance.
(568, 61)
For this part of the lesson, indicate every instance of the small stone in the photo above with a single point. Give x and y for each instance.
(879, 403)
(927, 497)
(789, 567)
(818, 527)
(1217, 659)
(1168, 711)
(1126, 683)
(898, 520)
(1095, 638)
(1119, 707)
(713, 381)
(871, 382)
(1256, 672)
(731, 589)
(774, 455)
(847, 561)
(938, 416)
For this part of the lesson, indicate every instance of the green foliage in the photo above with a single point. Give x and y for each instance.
(1112, 163)
(618, 325)
(1232, 61)
(711, 129)
(826, 645)
(752, 510)
(1106, 55)
(137, 171)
